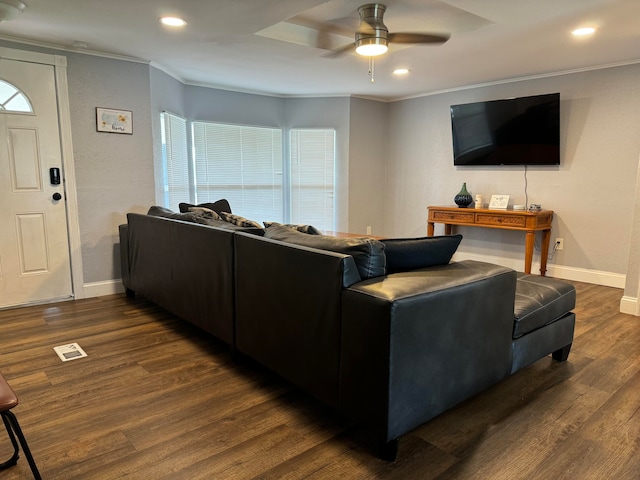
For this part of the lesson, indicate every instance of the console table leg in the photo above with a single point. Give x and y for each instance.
(430, 229)
(528, 251)
(544, 251)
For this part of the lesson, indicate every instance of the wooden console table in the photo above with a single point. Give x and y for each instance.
(526, 221)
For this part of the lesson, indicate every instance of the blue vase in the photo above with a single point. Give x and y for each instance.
(463, 199)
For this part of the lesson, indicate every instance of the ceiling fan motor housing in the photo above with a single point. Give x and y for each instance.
(372, 30)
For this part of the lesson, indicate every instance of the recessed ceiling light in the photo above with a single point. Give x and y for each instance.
(173, 21)
(401, 71)
(581, 32)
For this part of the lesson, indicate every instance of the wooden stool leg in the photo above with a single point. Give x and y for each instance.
(14, 458)
(11, 422)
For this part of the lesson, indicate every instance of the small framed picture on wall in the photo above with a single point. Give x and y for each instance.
(114, 121)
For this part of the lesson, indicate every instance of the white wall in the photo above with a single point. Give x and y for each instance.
(592, 192)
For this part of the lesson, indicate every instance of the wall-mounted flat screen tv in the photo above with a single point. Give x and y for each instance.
(513, 131)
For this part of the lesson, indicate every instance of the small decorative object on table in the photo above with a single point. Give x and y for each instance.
(463, 199)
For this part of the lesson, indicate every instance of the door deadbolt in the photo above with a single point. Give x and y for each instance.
(57, 196)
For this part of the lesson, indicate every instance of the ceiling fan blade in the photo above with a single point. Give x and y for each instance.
(323, 27)
(408, 37)
(342, 50)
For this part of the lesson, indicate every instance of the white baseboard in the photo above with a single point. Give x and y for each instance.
(630, 305)
(607, 279)
(98, 289)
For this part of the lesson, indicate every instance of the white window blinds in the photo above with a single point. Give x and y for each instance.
(175, 174)
(242, 164)
(313, 177)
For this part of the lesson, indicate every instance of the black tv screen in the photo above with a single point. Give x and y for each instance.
(514, 131)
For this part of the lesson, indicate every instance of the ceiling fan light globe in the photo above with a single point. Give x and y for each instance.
(371, 47)
(371, 50)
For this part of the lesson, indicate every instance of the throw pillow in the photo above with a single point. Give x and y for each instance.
(310, 229)
(238, 220)
(367, 253)
(202, 218)
(405, 254)
(205, 212)
(221, 205)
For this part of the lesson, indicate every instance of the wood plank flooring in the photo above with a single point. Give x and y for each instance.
(159, 399)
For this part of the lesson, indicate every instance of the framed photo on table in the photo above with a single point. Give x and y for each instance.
(499, 202)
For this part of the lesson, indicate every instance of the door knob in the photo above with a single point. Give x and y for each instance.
(57, 196)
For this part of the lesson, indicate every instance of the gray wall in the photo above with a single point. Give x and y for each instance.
(167, 95)
(368, 145)
(592, 192)
(114, 173)
(395, 159)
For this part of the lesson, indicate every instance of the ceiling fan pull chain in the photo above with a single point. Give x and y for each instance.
(371, 69)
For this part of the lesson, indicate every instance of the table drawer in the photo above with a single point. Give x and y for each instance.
(504, 220)
(448, 217)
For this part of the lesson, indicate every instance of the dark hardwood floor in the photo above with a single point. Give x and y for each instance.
(156, 398)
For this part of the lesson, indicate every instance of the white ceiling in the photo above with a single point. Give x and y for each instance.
(233, 44)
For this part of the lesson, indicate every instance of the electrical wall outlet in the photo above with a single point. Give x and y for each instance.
(369, 230)
(559, 244)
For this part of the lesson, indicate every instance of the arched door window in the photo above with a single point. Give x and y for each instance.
(13, 100)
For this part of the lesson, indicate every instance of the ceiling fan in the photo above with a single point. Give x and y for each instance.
(372, 37)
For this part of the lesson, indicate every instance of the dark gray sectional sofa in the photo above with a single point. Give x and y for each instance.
(389, 337)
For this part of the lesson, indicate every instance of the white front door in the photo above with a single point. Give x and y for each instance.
(34, 245)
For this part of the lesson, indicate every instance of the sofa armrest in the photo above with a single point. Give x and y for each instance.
(414, 344)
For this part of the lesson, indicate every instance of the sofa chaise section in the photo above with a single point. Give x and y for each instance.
(416, 343)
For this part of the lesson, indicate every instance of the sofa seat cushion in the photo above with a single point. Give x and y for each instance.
(540, 301)
(367, 253)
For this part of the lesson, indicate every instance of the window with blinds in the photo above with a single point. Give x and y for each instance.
(242, 164)
(312, 177)
(246, 165)
(175, 160)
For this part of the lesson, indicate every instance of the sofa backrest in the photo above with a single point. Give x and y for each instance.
(288, 310)
(185, 268)
(367, 253)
